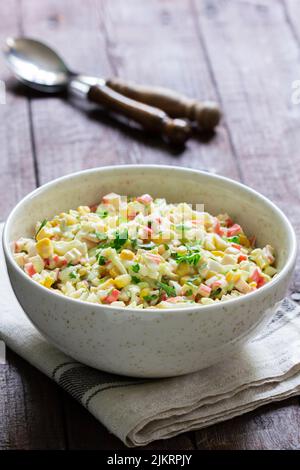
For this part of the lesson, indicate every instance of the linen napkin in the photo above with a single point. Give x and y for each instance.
(140, 411)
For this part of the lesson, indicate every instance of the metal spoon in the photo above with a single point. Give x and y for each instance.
(40, 67)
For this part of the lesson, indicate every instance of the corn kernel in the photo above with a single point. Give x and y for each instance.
(122, 281)
(253, 284)
(244, 240)
(209, 245)
(158, 239)
(183, 280)
(232, 277)
(183, 269)
(210, 274)
(44, 233)
(70, 219)
(126, 254)
(144, 292)
(54, 222)
(161, 249)
(219, 242)
(218, 253)
(44, 248)
(113, 272)
(48, 281)
(83, 210)
(82, 271)
(107, 284)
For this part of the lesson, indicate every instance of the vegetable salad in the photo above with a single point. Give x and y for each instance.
(142, 252)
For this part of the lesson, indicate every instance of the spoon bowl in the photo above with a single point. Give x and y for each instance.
(40, 67)
(37, 65)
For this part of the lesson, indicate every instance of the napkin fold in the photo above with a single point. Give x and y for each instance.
(140, 411)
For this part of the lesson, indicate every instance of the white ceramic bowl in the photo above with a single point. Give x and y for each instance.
(150, 343)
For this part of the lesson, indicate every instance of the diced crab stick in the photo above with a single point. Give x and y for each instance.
(21, 259)
(59, 261)
(93, 208)
(111, 198)
(257, 277)
(197, 221)
(229, 222)
(204, 290)
(217, 284)
(174, 300)
(30, 269)
(243, 287)
(268, 252)
(18, 247)
(217, 227)
(233, 230)
(236, 245)
(155, 258)
(131, 215)
(112, 296)
(242, 257)
(146, 233)
(56, 271)
(144, 199)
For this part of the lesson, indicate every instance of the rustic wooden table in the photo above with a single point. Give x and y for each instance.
(245, 55)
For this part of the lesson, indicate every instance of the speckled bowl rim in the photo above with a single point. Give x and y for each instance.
(292, 242)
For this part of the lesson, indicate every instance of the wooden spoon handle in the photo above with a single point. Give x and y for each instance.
(175, 131)
(206, 114)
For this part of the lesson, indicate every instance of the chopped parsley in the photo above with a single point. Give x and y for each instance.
(101, 260)
(148, 298)
(217, 291)
(192, 257)
(41, 226)
(135, 279)
(133, 243)
(101, 236)
(147, 246)
(235, 239)
(135, 268)
(120, 239)
(102, 213)
(182, 227)
(73, 275)
(169, 290)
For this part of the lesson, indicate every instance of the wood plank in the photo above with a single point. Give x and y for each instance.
(118, 36)
(17, 165)
(30, 408)
(263, 429)
(113, 41)
(254, 59)
(292, 11)
(66, 140)
(254, 66)
(172, 58)
(79, 142)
